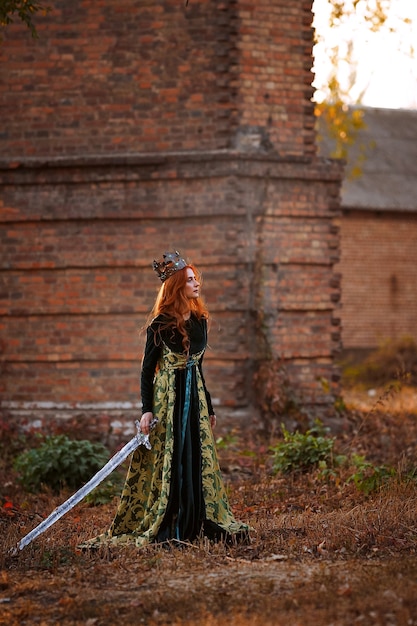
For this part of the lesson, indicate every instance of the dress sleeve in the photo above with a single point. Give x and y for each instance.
(149, 362)
(208, 397)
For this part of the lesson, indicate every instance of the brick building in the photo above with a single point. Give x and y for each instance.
(378, 228)
(132, 128)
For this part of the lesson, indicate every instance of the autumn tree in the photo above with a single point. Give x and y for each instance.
(24, 10)
(335, 33)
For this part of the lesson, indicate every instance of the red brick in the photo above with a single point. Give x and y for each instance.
(136, 130)
(379, 278)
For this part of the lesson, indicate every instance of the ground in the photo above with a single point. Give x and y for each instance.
(322, 552)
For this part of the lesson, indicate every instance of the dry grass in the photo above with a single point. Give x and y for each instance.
(321, 552)
(365, 400)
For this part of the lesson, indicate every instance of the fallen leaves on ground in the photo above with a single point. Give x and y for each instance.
(321, 552)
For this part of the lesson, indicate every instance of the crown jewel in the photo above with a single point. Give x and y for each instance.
(171, 263)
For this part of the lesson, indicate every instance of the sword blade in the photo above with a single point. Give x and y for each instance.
(138, 440)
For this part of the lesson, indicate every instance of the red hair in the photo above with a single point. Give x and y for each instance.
(172, 302)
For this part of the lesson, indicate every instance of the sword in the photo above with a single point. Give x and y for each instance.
(138, 440)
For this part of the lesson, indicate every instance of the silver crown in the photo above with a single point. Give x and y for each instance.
(171, 263)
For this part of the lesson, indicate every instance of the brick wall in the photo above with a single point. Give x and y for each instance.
(146, 77)
(379, 277)
(132, 129)
(130, 76)
(274, 70)
(77, 282)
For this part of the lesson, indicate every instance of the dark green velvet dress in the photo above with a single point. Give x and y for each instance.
(175, 491)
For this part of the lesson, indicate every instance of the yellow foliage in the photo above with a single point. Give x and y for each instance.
(342, 125)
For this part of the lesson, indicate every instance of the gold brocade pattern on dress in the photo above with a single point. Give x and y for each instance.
(146, 491)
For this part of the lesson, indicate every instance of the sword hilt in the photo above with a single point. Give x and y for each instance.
(141, 437)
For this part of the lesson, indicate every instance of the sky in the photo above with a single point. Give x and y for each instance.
(386, 71)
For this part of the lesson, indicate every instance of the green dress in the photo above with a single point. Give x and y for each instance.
(175, 490)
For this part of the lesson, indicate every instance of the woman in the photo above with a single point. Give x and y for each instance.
(175, 491)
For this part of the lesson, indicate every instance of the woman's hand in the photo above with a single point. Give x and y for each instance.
(145, 422)
(213, 420)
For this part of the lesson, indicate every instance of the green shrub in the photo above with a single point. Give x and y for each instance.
(369, 478)
(59, 462)
(301, 451)
(314, 450)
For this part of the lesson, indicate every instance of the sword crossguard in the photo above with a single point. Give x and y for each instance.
(143, 439)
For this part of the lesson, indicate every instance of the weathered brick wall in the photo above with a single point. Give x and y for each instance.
(379, 269)
(116, 77)
(274, 76)
(146, 77)
(139, 129)
(77, 282)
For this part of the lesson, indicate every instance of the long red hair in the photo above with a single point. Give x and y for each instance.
(172, 302)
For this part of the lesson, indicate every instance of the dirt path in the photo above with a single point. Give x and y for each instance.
(182, 587)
